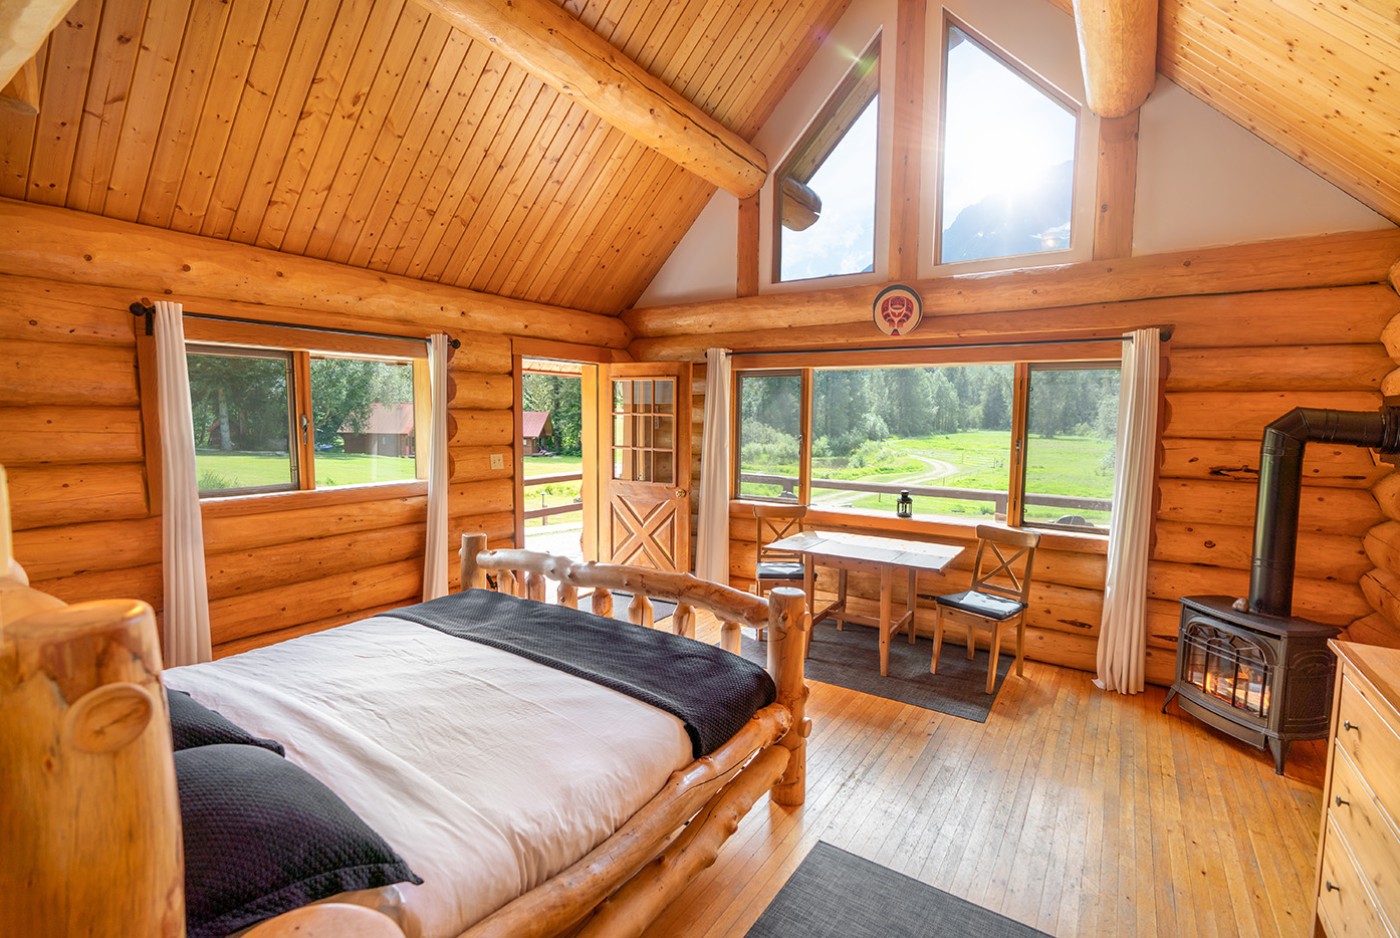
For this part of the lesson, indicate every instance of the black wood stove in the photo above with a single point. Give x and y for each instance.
(1264, 679)
(1249, 667)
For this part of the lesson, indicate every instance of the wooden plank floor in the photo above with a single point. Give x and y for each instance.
(1071, 810)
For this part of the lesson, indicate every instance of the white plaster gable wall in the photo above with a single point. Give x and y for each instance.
(1202, 179)
(705, 264)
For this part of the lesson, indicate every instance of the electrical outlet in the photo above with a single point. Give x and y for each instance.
(498, 461)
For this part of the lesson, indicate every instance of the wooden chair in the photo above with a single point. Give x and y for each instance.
(1001, 583)
(776, 567)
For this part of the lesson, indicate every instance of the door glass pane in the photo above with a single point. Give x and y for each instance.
(241, 403)
(770, 428)
(362, 412)
(1070, 446)
(644, 430)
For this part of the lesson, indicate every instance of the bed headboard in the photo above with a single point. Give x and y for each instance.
(88, 811)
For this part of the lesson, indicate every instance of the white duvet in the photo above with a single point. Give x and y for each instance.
(488, 773)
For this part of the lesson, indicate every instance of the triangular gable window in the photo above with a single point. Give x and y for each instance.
(826, 193)
(1008, 144)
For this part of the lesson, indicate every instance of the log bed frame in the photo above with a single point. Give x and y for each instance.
(88, 811)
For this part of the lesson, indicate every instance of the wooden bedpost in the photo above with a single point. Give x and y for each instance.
(88, 810)
(787, 649)
(473, 577)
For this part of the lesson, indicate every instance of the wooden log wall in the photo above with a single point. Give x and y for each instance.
(1381, 583)
(1228, 375)
(87, 522)
(87, 525)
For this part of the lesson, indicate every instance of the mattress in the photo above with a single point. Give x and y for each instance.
(488, 773)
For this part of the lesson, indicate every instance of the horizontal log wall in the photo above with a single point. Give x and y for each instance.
(85, 528)
(1226, 380)
(72, 439)
(1381, 583)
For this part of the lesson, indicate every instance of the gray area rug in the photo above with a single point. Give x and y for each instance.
(835, 894)
(660, 608)
(851, 659)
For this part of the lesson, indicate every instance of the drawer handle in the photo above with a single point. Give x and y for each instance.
(1341, 801)
(1348, 725)
(1333, 887)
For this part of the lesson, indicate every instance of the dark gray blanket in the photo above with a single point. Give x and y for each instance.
(711, 691)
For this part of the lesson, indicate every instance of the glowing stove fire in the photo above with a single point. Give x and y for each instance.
(1261, 678)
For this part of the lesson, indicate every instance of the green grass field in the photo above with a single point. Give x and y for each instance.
(1076, 466)
(554, 493)
(218, 470)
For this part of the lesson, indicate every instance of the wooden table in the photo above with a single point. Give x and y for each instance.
(871, 554)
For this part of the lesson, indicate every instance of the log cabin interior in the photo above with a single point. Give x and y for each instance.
(611, 189)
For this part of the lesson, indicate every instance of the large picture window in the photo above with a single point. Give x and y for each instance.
(270, 420)
(1019, 442)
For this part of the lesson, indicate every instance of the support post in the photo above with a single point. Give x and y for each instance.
(787, 647)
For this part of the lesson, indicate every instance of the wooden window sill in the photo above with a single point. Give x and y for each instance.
(235, 505)
(939, 528)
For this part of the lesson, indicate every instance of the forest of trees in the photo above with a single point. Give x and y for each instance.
(562, 398)
(852, 407)
(240, 402)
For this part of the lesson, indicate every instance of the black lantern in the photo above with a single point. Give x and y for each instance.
(904, 508)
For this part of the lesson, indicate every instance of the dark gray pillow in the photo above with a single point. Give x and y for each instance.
(193, 724)
(263, 837)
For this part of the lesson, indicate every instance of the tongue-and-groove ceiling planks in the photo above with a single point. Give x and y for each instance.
(370, 133)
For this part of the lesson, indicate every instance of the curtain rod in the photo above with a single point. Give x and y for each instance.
(1164, 331)
(143, 307)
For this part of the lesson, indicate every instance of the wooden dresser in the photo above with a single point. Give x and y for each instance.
(1358, 875)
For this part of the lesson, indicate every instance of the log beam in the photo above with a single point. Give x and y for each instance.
(801, 206)
(60, 244)
(24, 25)
(551, 44)
(827, 315)
(1118, 52)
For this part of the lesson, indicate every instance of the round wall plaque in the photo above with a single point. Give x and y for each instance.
(898, 310)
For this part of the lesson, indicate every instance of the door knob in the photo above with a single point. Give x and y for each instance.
(681, 493)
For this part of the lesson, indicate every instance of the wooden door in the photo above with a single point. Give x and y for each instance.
(645, 473)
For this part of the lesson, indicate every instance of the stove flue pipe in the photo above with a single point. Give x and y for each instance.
(1280, 488)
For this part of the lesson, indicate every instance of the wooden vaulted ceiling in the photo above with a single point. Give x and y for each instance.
(371, 133)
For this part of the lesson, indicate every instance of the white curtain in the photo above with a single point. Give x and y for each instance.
(712, 547)
(435, 559)
(182, 553)
(1123, 636)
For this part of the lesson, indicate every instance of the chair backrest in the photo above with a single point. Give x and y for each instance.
(775, 522)
(1005, 557)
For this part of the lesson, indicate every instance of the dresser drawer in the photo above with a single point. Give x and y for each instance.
(1343, 903)
(1371, 740)
(1374, 841)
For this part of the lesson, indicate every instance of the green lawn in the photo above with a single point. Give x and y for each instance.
(552, 465)
(218, 470)
(1078, 466)
(553, 493)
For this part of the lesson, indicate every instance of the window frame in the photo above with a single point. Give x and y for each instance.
(1085, 353)
(803, 150)
(1058, 75)
(302, 343)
